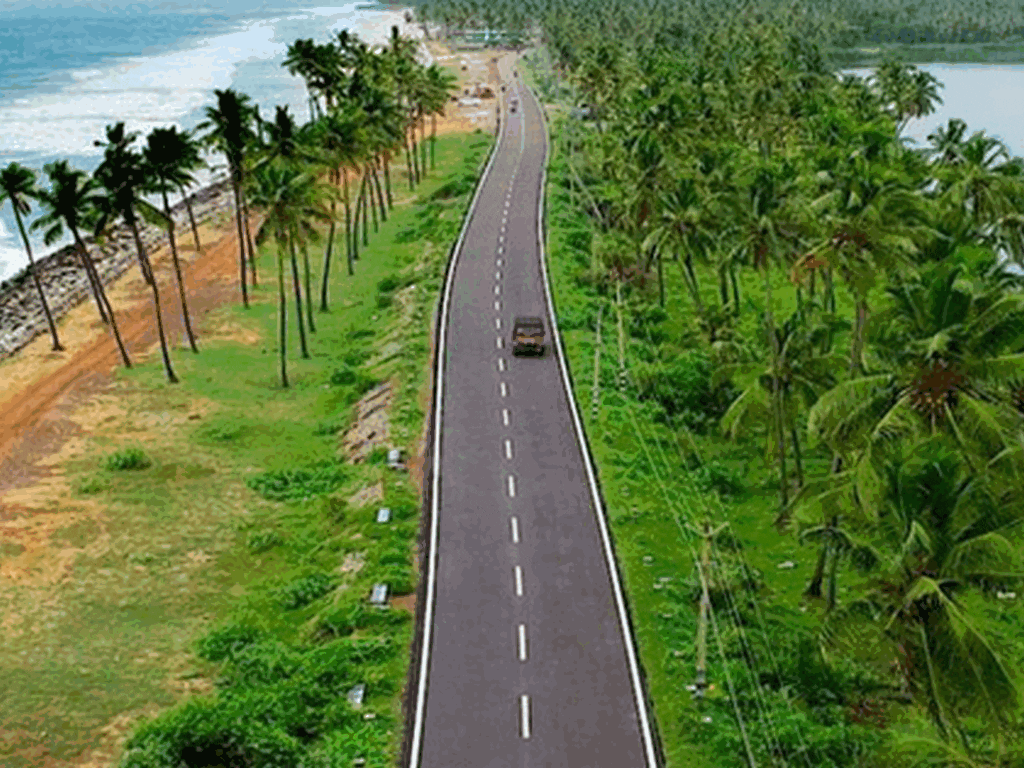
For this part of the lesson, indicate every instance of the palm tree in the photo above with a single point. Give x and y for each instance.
(162, 155)
(293, 201)
(17, 184)
(340, 133)
(441, 83)
(229, 126)
(944, 533)
(71, 201)
(122, 175)
(947, 363)
(181, 156)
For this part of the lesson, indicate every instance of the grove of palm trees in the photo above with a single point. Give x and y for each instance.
(802, 342)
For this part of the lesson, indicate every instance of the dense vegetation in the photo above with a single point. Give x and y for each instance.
(813, 330)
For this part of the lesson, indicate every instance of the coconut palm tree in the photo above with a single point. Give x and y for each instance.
(944, 533)
(229, 130)
(17, 184)
(162, 155)
(122, 174)
(70, 202)
(294, 202)
(182, 156)
(441, 83)
(341, 135)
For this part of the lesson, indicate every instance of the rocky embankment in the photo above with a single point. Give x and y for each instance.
(65, 282)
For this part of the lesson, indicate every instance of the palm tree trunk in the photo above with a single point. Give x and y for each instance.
(380, 192)
(423, 142)
(833, 577)
(248, 240)
(327, 260)
(797, 456)
(148, 269)
(309, 292)
(348, 224)
(177, 272)
(102, 295)
(690, 280)
(282, 316)
(298, 300)
(241, 240)
(355, 221)
(433, 138)
(414, 148)
(387, 179)
(723, 286)
(191, 217)
(94, 287)
(408, 162)
(776, 396)
(368, 172)
(366, 213)
(814, 586)
(57, 346)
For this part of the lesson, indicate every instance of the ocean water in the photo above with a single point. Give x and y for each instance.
(67, 72)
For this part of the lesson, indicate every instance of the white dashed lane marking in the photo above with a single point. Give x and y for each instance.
(515, 530)
(497, 323)
(524, 716)
(500, 342)
(508, 449)
(519, 581)
(497, 275)
(522, 642)
(497, 290)
(501, 364)
(497, 306)
(504, 390)
(504, 416)
(511, 487)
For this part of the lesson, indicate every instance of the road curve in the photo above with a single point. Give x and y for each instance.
(524, 647)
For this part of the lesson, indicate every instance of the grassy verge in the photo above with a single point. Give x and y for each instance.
(219, 554)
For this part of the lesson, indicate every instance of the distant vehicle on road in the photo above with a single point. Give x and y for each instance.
(513, 104)
(528, 336)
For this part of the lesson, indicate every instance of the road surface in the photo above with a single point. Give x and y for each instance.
(527, 664)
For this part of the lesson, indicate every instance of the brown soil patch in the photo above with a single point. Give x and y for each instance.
(372, 427)
(41, 389)
(368, 495)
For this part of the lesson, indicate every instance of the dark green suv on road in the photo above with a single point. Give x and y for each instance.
(528, 336)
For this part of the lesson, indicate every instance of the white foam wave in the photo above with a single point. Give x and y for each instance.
(145, 92)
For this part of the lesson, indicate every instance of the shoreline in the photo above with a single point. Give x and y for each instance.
(65, 282)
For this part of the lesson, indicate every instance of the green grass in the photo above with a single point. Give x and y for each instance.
(239, 516)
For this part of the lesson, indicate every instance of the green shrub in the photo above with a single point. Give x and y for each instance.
(210, 732)
(378, 455)
(682, 386)
(261, 541)
(715, 476)
(129, 458)
(369, 740)
(399, 577)
(296, 484)
(226, 641)
(304, 590)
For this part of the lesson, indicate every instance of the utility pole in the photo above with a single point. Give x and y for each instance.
(704, 571)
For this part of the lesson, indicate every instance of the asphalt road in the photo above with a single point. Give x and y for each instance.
(524, 604)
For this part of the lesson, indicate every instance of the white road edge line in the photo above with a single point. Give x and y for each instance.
(515, 530)
(504, 415)
(519, 581)
(511, 487)
(524, 716)
(522, 642)
(508, 449)
(602, 521)
(432, 555)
